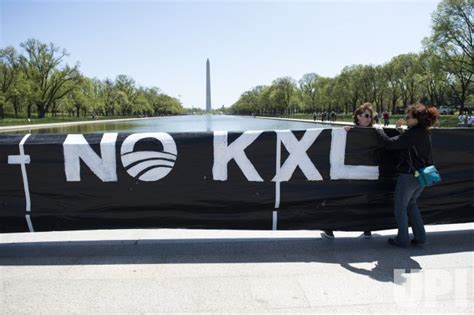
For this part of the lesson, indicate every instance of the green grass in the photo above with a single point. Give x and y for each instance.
(445, 120)
(12, 121)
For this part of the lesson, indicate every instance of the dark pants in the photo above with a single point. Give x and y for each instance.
(407, 192)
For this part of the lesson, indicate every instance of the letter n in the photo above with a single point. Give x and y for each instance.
(76, 148)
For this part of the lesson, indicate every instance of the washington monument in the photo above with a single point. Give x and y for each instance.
(208, 86)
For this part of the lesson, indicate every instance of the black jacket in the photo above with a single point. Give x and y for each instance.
(415, 143)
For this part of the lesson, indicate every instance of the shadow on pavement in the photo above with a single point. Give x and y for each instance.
(342, 251)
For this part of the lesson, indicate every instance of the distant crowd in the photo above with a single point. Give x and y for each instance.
(332, 116)
(466, 119)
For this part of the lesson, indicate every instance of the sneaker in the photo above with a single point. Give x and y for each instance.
(327, 234)
(393, 242)
(417, 242)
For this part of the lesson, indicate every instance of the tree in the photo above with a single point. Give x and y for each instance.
(127, 90)
(392, 74)
(380, 87)
(248, 102)
(404, 76)
(308, 87)
(109, 95)
(284, 90)
(433, 80)
(350, 80)
(141, 104)
(452, 42)
(49, 81)
(9, 72)
(453, 29)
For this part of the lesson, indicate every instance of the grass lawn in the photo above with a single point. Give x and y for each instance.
(12, 121)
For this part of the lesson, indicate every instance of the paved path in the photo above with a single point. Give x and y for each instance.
(152, 271)
(329, 123)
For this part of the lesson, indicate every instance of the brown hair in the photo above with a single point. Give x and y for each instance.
(426, 116)
(361, 109)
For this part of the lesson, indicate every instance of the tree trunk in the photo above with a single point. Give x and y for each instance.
(29, 110)
(394, 104)
(15, 106)
(41, 110)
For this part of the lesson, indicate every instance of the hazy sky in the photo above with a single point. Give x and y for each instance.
(249, 43)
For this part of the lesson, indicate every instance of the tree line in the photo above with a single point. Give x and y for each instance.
(37, 81)
(441, 74)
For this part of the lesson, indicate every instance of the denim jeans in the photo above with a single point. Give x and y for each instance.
(407, 192)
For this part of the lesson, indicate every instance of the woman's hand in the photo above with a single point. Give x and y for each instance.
(400, 122)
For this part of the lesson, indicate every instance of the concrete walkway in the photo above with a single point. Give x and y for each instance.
(330, 123)
(156, 271)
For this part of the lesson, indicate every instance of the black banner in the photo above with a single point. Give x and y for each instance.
(308, 179)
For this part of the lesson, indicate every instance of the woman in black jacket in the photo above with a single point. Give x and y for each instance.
(363, 117)
(414, 146)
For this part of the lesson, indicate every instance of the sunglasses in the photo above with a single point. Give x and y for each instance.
(366, 115)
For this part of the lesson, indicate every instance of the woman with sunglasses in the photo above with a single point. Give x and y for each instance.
(363, 117)
(414, 146)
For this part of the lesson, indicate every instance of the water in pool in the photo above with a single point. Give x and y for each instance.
(188, 123)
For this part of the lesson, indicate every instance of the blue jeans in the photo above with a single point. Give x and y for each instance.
(407, 192)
